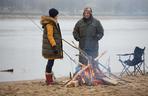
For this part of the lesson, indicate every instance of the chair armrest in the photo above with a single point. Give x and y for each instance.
(125, 54)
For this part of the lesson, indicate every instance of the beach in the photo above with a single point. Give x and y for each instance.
(28, 75)
(137, 86)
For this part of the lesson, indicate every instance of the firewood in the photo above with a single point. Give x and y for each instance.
(110, 80)
(73, 83)
(77, 74)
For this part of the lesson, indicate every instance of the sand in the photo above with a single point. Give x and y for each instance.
(138, 86)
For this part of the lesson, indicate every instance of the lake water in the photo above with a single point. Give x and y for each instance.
(21, 42)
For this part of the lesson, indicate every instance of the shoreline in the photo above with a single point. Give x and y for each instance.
(8, 16)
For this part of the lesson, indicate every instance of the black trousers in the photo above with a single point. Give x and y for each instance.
(49, 66)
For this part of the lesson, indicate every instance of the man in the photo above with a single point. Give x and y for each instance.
(88, 31)
(52, 42)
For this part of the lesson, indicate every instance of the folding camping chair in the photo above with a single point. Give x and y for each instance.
(135, 60)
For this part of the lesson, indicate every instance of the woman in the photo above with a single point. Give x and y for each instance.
(52, 42)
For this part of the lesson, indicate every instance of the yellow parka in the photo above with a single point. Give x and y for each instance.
(51, 38)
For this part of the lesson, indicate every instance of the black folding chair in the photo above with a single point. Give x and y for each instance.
(135, 60)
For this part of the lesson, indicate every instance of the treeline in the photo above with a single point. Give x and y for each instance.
(75, 7)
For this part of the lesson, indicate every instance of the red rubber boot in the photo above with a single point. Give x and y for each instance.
(49, 78)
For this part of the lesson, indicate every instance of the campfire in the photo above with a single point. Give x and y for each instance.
(90, 75)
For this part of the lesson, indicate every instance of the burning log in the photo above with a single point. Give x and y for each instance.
(71, 82)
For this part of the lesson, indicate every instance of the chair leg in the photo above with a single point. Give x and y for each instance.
(138, 70)
(125, 70)
(122, 72)
(135, 70)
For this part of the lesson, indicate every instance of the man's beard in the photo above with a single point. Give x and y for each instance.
(87, 19)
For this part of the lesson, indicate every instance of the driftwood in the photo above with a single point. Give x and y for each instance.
(109, 80)
(7, 70)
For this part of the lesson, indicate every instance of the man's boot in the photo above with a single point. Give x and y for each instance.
(49, 78)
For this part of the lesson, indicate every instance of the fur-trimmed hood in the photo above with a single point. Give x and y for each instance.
(47, 20)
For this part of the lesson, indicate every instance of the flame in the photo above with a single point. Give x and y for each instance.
(91, 75)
